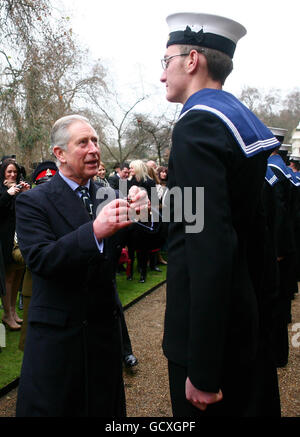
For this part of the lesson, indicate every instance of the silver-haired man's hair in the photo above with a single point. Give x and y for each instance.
(60, 135)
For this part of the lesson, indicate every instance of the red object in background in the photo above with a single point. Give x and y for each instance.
(124, 259)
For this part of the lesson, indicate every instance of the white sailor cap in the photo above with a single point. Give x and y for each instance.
(278, 132)
(287, 147)
(205, 30)
(294, 158)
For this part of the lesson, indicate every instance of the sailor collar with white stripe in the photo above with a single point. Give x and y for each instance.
(276, 162)
(294, 179)
(270, 177)
(248, 131)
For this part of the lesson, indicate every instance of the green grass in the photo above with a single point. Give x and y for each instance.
(11, 357)
(130, 290)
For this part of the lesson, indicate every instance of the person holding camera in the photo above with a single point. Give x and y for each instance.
(10, 186)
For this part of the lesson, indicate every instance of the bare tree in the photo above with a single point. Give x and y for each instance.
(45, 80)
(22, 20)
(115, 121)
(157, 133)
(273, 109)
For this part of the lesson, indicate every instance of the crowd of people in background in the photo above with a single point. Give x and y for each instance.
(138, 239)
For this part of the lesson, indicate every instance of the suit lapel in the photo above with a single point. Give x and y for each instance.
(66, 202)
(93, 197)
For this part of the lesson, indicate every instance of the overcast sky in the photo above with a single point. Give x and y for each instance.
(130, 36)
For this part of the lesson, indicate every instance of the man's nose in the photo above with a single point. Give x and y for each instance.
(163, 77)
(93, 147)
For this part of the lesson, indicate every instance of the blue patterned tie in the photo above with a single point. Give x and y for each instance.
(85, 197)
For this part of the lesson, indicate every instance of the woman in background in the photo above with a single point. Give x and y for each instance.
(162, 173)
(142, 238)
(10, 187)
(100, 176)
(138, 175)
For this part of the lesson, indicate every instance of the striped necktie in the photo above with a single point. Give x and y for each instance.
(85, 197)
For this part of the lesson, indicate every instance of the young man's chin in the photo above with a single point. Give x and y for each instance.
(172, 99)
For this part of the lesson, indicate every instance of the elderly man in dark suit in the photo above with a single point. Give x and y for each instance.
(72, 360)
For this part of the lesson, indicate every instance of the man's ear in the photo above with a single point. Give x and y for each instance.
(193, 60)
(196, 60)
(59, 154)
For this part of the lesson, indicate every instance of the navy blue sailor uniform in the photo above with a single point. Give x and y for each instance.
(289, 198)
(284, 238)
(271, 271)
(297, 227)
(212, 326)
(295, 207)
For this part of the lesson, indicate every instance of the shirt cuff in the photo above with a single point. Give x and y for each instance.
(99, 244)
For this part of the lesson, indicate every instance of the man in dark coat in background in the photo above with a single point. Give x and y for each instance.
(72, 362)
(212, 335)
(121, 175)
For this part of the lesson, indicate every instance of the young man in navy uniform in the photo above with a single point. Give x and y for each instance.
(212, 337)
(284, 187)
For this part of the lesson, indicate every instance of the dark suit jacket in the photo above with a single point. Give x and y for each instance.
(212, 317)
(283, 205)
(114, 181)
(72, 357)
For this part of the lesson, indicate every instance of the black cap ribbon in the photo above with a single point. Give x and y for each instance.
(191, 37)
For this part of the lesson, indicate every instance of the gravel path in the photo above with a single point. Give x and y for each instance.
(147, 389)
